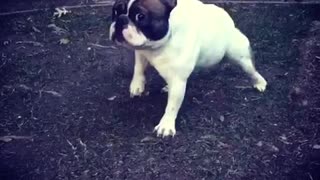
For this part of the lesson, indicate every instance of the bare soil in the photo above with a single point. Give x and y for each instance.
(66, 113)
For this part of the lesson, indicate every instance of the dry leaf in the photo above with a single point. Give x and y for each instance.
(64, 41)
(10, 138)
(112, 98)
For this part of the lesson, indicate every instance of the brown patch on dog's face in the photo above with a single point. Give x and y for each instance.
(151, 17)
(154, 6)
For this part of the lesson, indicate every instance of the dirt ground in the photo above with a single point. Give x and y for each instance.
(66, 113)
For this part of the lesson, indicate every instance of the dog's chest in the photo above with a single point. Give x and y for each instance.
(161, 62)
(167, 64)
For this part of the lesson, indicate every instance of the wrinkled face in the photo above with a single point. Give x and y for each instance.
(139, 23)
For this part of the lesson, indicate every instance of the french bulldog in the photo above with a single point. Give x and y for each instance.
(175, 37)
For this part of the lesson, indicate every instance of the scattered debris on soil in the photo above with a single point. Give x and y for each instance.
(66, 112)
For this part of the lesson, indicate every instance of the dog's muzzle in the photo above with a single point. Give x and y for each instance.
(121, 23)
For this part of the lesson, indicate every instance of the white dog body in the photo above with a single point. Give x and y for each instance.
(198, 35)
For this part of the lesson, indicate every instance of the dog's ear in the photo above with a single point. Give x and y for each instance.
(120, 2)
(170, 4)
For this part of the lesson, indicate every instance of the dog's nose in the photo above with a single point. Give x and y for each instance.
(120, 24)
(122, 21)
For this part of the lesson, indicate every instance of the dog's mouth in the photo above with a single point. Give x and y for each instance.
(132, 37)
(119, 39)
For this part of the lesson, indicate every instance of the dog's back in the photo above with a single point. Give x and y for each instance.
(207, 25)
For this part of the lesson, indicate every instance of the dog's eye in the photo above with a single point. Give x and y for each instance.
(139, 17)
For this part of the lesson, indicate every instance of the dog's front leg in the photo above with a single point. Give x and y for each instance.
(176, 92)
(138, 80)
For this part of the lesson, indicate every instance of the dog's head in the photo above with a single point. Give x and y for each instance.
(140, 23)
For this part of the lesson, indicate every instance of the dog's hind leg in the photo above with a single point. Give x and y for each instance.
(239, 51)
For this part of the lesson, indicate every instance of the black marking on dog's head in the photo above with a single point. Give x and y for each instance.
(120, 7)
(119, 12)
(151, 17)
(170, 4)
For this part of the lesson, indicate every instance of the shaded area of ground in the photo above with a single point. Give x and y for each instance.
(64, 97)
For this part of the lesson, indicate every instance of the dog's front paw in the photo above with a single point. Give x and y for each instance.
(260, 85)
(137, 86)
(166, 127)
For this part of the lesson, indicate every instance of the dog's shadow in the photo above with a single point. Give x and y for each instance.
(208, 92)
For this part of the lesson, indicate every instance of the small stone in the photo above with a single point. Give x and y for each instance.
(274, 148)
(304, 102)
(221, 118)
(209, 137)
(64, 41)
(148, 139)
(147, 93)
(316, 146)
(260, 143)
(283, 137)
(112, 98)
(223, 145)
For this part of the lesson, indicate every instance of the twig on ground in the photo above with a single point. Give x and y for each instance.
(57, 30)
(243, 87)
(27, 88)
(101, 46)
(13, 137)
(30, 42)
(54, 93)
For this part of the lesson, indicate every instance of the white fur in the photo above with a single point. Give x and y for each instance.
(129, 5)
(134, 37)
(200, 35)
(111, 30)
